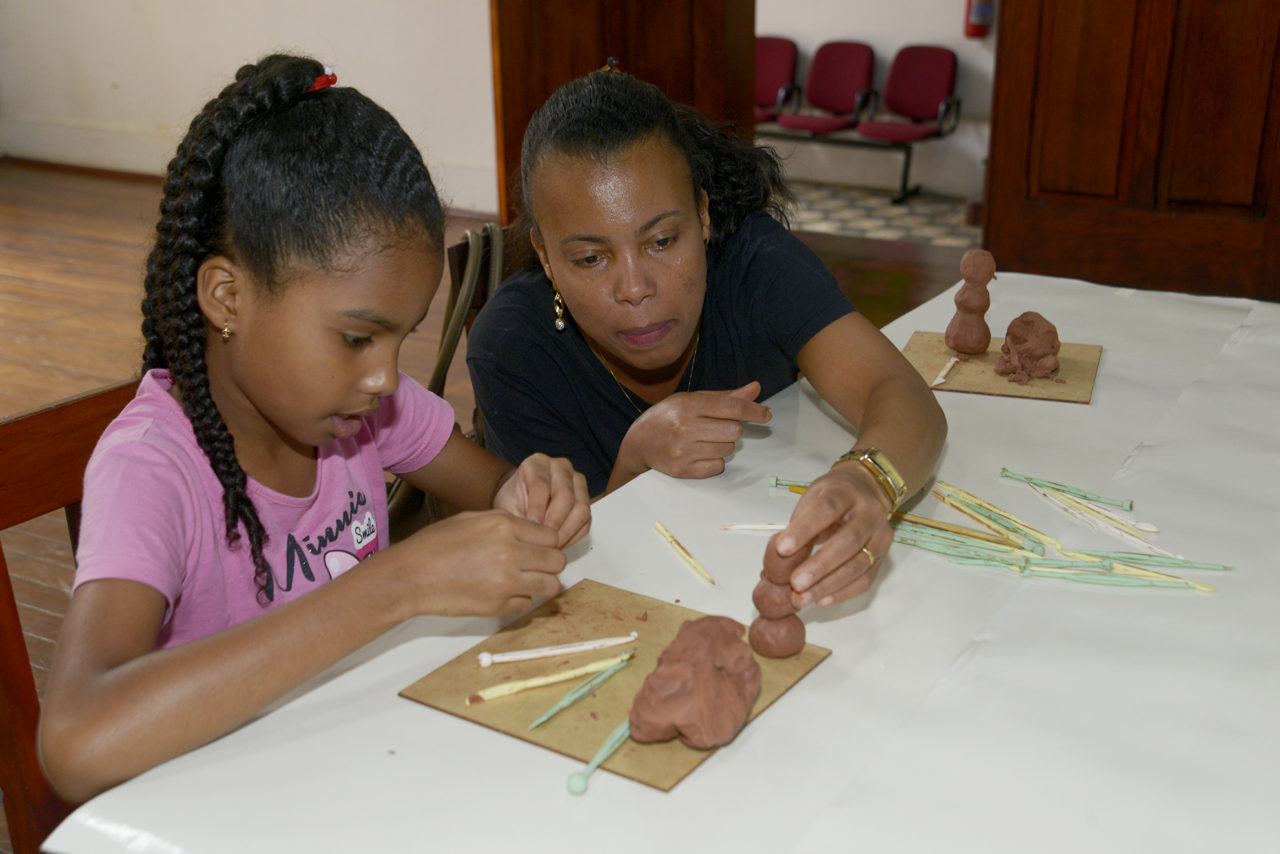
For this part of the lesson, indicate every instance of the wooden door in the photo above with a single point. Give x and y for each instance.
(699, 52)
(1135, 142)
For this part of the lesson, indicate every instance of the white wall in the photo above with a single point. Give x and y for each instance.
(952, 166)
(114, 83)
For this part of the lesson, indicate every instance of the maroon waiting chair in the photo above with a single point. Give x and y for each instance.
(919, 104)
(838, 87)
(775, 75)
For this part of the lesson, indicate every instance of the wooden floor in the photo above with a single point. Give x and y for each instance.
(72, 248)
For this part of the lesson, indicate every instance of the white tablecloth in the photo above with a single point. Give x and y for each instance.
(963, 709)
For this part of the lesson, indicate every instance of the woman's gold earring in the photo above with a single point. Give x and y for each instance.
(226, 333)
(559, 305)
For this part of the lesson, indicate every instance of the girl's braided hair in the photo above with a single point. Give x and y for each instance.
(271, 175)
(600, 115)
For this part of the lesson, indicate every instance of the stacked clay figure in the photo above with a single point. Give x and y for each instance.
(968, 331)
(777, 632)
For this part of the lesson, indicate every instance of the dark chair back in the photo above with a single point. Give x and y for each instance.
(920, 79)
(43, 455)
(775, 74)
(840, 72)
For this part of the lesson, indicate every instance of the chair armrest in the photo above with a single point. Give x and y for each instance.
(795, 94)
(948, 116)
(867, 105)
(785, 94)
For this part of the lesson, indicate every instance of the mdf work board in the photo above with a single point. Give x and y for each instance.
(1073, 382)
(585, 611)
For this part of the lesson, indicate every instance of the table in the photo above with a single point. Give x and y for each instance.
(962, 709)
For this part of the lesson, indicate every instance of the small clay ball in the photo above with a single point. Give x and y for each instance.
(777, 638)
(778, 568)
(978, 265)
(772, 600)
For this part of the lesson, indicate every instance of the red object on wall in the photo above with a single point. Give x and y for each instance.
(978, 15)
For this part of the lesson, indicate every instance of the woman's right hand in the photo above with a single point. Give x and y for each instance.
(689, 434)
(480, 564)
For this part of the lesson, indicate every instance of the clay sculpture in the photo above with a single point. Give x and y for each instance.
(777, 632)
(1030, 349)
(702, 689)
(968, 331)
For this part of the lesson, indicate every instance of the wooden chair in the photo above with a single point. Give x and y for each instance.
(502, 251)
(43, 455)
(477, 265)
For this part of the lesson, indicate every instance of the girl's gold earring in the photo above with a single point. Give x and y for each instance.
(226, 333)
(559, 305)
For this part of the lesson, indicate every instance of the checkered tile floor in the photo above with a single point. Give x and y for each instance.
(861, 212)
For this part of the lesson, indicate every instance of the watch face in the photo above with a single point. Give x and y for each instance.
(881, 462)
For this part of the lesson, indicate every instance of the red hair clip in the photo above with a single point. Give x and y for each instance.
(324, 81)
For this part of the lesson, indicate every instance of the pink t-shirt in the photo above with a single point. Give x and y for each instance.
(153, 510)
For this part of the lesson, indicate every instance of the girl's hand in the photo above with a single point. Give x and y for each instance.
(846, 512)
(548, 490)
(689, 434)
(480, 564)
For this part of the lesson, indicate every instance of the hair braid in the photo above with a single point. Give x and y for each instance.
(271, 176)
(191, 228)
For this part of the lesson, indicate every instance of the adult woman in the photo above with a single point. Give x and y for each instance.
(663, 281)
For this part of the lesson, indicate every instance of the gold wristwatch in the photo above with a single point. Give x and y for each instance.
(895, 489)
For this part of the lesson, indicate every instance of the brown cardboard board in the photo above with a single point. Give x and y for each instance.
(589, 610)
(929, 354)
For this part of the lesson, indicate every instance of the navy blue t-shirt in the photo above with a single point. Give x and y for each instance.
(543, 390)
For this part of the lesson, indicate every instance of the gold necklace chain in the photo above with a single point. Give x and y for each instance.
(628, 394)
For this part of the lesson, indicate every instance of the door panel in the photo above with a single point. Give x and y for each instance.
(699, 52)
(1219, 95)
(1083, 67)
(1135, 142)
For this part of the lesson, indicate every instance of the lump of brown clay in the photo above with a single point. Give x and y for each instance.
(772, 600)
(777, 638)
(968, 331)
(778, 568)
(1030, 349)
(702, 689)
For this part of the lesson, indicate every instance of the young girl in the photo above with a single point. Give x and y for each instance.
(667, 300)
(299, 243)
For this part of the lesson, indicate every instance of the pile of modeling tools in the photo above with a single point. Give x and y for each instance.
(506, 689)
(1005, 541)
(598, 672)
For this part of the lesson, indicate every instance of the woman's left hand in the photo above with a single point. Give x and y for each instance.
(847, 513)
(548, 490)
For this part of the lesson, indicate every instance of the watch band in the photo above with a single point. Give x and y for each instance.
(895, 488)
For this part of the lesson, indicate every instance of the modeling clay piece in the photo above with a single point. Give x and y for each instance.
(777, 638)
(702, 689)
(1030, 349)
(968, 331)
(778, 568)
(773, 601)
(777, 632)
